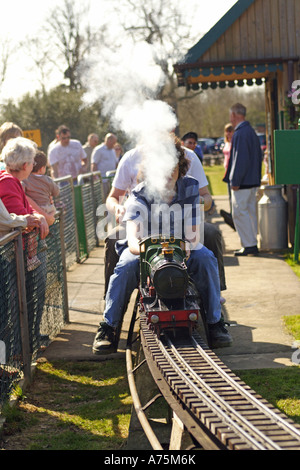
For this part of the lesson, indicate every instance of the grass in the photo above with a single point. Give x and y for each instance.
(87, 405)
(71, 406)
(281, 387)
(215, 175)
(289, 258)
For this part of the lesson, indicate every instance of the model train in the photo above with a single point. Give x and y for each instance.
(167, 295)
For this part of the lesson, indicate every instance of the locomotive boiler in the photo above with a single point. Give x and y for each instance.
(167, 295)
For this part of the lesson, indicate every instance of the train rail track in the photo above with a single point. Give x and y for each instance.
(218, 409)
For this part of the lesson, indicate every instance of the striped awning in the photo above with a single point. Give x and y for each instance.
(224, 74)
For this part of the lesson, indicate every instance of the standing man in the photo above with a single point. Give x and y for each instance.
(244, 176)
(104, 159)
(67, 155)
(92, 142)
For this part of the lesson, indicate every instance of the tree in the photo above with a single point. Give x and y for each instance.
(161, 23)
(73, 40)
(46, 111)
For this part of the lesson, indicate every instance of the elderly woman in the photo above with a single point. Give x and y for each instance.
(18, 155)
(10, 130)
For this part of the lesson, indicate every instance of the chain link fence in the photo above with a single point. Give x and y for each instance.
(33, 282)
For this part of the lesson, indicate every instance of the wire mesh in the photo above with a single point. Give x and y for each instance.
(39, 283)
(65, 202)
(10, 332)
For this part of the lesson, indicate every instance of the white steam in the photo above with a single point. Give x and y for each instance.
(127, 82)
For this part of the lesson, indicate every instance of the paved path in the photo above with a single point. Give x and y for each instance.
(260, 291)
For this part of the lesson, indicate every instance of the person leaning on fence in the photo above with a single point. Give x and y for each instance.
(12, 221)
(18, 155)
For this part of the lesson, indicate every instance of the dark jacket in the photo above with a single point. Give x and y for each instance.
(244, 168)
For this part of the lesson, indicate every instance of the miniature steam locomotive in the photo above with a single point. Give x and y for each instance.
(167, 295)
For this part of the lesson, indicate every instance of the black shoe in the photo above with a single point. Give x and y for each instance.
(104, 341)
(227, 218)
(219, 336)
(250, 250)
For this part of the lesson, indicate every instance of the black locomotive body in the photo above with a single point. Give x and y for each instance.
(167, 295)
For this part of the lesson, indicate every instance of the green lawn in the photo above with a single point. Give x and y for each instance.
(215, 175)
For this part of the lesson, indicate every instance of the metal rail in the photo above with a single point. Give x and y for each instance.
(252, 424)
(243, 391)
(216, 403)
(153, 440)
(231, 429)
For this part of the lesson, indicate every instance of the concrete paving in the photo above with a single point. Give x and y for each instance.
(260, 291)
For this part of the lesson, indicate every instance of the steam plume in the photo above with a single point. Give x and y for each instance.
(127, 82)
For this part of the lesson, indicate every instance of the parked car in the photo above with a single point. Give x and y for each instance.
(220, 142)
(263, 141)
(207, 145)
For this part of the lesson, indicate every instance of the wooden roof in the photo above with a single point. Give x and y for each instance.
(254, 38)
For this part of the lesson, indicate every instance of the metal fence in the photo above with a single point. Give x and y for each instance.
(33, 282)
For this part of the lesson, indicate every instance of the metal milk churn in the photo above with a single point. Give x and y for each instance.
(272, 219)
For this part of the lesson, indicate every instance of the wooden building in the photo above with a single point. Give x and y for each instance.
(255, 41)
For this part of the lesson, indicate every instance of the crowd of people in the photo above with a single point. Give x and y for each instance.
(27, 192)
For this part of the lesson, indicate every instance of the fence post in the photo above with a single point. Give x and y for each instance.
(64, 264)
(23, 307)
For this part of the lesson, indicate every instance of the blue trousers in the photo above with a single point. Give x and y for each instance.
(202, 268)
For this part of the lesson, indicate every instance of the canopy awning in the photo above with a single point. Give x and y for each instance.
(221, 74)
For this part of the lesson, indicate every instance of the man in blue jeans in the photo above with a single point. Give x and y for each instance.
(183, 192)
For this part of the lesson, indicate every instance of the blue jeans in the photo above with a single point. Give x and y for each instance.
(202, 267)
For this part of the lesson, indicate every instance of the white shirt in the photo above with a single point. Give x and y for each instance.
(126, 175)
(105, 159)
(68, 158)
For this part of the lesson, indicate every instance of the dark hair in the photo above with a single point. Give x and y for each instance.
(63, 129)
(40, 160)
(183, 162)
(190, 135)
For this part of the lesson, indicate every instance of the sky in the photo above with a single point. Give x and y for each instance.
(20, 19)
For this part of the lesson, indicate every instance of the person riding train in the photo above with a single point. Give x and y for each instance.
(202, 265)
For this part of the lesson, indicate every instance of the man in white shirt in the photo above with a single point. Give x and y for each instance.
(67, 156)
(126, 179)
(104, 159)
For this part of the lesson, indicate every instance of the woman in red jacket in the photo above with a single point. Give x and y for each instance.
(18, 155)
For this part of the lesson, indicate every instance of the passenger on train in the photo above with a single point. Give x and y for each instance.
(124, 182)
(202, 264)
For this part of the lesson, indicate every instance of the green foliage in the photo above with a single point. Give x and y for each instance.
(48, 110)
(292, 324)
(215, 175)
(73, 406)
(281, 387)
